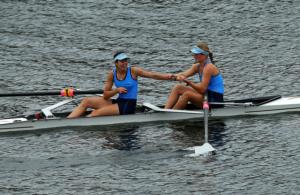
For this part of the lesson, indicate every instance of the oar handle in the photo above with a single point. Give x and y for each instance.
(64, 92)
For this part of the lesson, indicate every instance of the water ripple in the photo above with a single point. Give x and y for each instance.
(54, 44)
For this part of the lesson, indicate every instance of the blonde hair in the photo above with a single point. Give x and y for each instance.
(203, 45)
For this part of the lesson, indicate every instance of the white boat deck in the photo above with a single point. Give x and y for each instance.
(284, 101)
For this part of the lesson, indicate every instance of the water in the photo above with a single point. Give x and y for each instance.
(53, 44)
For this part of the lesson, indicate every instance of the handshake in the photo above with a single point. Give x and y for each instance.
(179, 77)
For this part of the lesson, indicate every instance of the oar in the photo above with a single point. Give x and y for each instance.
(206, 148)
(232, 103)
(69, 92)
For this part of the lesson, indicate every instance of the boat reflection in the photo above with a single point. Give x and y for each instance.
(121, 138)
(191, 133)
(183, 134)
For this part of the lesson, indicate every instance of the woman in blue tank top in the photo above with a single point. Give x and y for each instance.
(211, 81)
(125, 79)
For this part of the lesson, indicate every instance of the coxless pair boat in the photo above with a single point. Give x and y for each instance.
(146, 112)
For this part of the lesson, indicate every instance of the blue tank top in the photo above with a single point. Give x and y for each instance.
(129, 83)
(216, 82)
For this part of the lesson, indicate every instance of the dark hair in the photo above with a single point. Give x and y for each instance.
(211, 57)
(117, 53)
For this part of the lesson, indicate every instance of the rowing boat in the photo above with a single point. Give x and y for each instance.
(148, 112)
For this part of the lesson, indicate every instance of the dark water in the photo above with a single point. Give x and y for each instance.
(52, 44)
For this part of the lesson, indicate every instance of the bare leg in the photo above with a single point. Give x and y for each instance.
(190, 95)
(108, 110)
(89, 102)
(176, 92)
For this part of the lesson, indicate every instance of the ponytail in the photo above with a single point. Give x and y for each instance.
(204, 46)
(211, 57)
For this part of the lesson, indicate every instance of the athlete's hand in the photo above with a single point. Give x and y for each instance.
(180, 78)
(188, 82)
(172, 77)
(122, 90)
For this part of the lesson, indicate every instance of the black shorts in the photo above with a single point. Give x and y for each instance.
(126, 106)
(215, 97)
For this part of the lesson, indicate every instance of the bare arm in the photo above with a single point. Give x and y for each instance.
(153, 75)
(108, 91)
(202, 87)
(187, 73)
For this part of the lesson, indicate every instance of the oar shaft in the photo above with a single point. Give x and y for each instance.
(205, 110)
(231, 103)
(47, 93)
(206, 125)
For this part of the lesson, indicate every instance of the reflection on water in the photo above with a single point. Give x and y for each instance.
(217, 133)
(182, 134)
(120, 138)
(191, 133)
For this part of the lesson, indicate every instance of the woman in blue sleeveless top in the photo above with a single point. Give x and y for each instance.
(125, 79)
(211, 81)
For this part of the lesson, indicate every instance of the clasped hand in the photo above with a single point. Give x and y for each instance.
(122, 90)
(183, 78)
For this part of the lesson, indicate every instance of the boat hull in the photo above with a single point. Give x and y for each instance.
(281, 105)
(32, 125)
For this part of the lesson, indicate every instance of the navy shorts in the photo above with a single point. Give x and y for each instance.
(126, 106)
(215, 97)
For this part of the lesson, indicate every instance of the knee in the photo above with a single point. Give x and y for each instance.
(85, 102)
(186, 96)
(178, 88)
